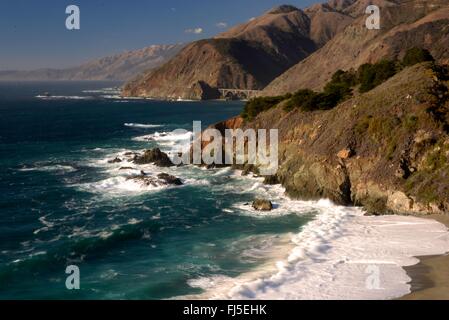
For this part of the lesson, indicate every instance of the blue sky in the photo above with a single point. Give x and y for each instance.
(33, 33)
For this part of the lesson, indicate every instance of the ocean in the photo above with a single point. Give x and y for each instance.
(62, 203)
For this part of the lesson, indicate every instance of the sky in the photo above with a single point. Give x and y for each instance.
(33, 34)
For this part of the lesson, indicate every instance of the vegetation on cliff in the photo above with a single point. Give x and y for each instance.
(340, 88)
(404, 24)
(386, 149)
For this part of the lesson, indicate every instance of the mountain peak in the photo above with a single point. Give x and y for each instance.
(285, 8)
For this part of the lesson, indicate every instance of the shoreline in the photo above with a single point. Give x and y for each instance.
(430, 277)
(298, 276)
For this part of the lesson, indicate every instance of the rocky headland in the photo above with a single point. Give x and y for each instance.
(386, 150)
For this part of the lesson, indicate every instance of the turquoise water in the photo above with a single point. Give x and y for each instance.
(62, 204)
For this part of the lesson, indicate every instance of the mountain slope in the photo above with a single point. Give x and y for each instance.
(404, 24)
(122, 66)
(386, 149)
(326, 21)
(247, 56)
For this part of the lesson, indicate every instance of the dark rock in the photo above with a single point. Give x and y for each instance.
(155, 156)
(250, 168)
(116, 160)
(262, 205)
(169, 179)
(126, 168)
(130, 154)
(162, 179)
(146, 180)
(204, 91)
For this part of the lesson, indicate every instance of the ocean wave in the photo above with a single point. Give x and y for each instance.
(80, 245)
(143, 126)
(336, 255)
(166, 137)
(104, 91)
(207, 283)
(49, 168)
(65, 97)
(121, 186)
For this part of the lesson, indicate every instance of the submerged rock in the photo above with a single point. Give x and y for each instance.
(155, 156)
(116, 160)
(169, 179)
(262, 205)
(162, 179)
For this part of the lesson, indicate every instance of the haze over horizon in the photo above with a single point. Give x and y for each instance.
(33, 35)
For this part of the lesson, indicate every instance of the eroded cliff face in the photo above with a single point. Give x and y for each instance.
(386, 150)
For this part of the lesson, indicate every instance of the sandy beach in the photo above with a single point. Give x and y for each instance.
(430, 278)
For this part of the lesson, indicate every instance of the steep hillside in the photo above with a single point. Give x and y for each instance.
(122, 66)
(387, 149)
(326, 21)
(404, 24)
(248, 56)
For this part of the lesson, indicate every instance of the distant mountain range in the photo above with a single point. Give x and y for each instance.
(287, 48)
(122, 66)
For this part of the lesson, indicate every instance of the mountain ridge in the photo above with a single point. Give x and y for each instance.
(122, 67)
(247, 56)
(404, 24)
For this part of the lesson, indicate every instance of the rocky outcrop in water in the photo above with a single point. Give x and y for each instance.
(154, 156)
(162, 179)
(262, 205)
(169, 179)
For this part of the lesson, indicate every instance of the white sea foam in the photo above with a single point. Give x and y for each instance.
(104, 91)
(49, 168)
(120, 186)
(337, 256)
(165, 138)
(141, 125)
(65, 97)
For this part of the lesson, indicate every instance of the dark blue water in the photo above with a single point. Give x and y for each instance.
(62, 204)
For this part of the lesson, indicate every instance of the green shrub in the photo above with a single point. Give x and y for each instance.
(257, 105)
(416, 55)
(410, 122)
(337, 90)
(298, 99)
(362, 127)
(372, 75)
(340, 88)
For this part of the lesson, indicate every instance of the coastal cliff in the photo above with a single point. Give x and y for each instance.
(386, 150)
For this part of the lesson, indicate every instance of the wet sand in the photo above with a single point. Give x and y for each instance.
(430, 278)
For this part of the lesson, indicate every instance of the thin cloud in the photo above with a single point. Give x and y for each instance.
(221, 25)
(194, 31)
